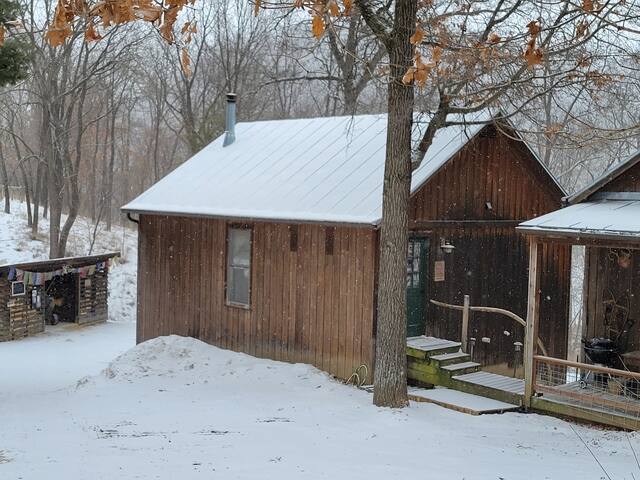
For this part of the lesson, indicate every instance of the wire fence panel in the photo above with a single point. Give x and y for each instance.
(601, 389)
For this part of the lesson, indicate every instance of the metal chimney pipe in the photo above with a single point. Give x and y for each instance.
(230, 133)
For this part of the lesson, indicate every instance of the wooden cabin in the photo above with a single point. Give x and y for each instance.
(266, 241)
(72, 289)
(601, 386)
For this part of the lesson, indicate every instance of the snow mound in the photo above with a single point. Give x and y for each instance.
(162, 356)
(173, 356)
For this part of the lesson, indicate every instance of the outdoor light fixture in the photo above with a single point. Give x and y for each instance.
(446, 246)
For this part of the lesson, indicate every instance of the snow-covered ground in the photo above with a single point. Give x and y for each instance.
(176, 408)
(83, 403)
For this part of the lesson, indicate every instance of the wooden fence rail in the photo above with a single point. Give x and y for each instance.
(466, 308)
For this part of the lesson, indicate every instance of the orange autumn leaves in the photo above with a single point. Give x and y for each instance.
(319, 10)
(112, 12)
(105, 13)
(421, 70)
(533, 53)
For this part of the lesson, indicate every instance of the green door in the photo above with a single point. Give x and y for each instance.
(416, 286)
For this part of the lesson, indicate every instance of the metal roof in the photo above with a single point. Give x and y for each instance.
(327, 169)
(607, 177)
(604, 218)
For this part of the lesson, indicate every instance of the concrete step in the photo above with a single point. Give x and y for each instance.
(462, 368)
(450, 358)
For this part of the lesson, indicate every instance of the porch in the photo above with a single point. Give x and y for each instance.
(560, 387)
(602, 385)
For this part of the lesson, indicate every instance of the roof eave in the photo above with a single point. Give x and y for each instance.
(253, 218)
(557, 233)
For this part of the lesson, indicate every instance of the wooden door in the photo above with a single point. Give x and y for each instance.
(417, 285)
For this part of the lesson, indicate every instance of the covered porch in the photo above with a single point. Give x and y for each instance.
(601, 382)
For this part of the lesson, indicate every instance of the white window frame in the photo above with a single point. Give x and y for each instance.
(230, 267)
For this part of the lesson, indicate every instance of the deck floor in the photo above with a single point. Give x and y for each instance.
(495, 381)
(594, 398)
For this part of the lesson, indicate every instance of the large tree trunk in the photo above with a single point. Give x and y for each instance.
(390, 382)
(55, 184)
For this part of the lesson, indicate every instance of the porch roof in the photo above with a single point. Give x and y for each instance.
(603, 219)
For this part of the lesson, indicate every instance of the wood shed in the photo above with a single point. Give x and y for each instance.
(266, 241)
(33, 294)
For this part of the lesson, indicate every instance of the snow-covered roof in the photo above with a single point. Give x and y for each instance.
(327, 169)
(54, 263)
(604, 218)
(606, 178)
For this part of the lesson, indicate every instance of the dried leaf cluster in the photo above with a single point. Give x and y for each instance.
(74, 14)
(533, 54)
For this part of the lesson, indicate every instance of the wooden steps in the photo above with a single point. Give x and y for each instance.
(491, 385)
(433, 361)
(492, 380)
(436, 361)
(462, 367)
(449, 358)
(424, 347)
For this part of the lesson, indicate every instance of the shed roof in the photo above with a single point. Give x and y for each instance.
(327, 169)
(599, 219)
(606, 178)
(56, 263)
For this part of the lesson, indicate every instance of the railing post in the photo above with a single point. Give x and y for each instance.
(531, 329)
(465, 323)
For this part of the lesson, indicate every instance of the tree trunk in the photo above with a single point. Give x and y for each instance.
(93, 205)
(27, 192)
(110, 167)
(5, 182)
(45, 194)
(36, 198)
(55, 186)
(390, 380)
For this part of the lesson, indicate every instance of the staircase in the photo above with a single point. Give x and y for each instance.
(435, 361)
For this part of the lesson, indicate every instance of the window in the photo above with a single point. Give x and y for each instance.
(238, 266)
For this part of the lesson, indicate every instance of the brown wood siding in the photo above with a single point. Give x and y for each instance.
(490, 261)
(306, 306)
(490, 168)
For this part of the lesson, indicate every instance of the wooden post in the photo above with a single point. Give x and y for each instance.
(465, 323)
(533, 312)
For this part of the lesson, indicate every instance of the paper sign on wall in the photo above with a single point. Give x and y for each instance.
(438, 271)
